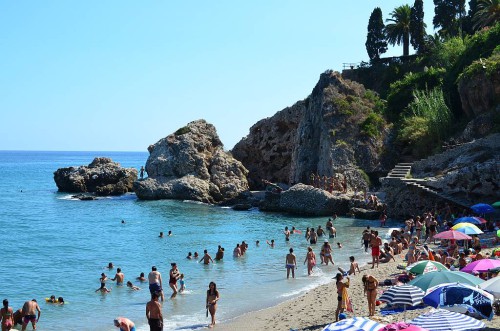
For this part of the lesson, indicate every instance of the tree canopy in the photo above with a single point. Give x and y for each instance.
(417, 26)
(398, 31)
(448, 15)
(487, 14)
(375, 40)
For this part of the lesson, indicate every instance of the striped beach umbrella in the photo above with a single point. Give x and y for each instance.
(403, 295)
(492, 286)
(444, 320)
(354, 324)
(467, 228)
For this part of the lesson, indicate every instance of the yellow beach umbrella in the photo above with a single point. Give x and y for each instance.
(467, 228)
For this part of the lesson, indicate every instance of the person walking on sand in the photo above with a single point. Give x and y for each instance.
(342, 296)
(174, 276)
(155, 282)
(119, 277)
(206, 258)
(211, 304)
(290, 263)
(154, 314)
(370, 284)
(30, 308)
(310, 259)
(124, 324)
(7, 316)
(375, 242)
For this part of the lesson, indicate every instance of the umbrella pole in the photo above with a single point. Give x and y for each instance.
(404, 313)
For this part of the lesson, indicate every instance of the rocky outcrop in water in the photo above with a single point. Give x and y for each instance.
(336, 130)
(102, 177)
(191, 164)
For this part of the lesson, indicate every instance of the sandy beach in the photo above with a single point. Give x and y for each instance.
(316, 309)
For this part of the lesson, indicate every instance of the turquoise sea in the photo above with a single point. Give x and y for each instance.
(52, 244)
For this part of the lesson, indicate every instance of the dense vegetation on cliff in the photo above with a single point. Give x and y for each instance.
(428, 95)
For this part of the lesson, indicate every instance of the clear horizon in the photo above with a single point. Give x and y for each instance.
(119, 76)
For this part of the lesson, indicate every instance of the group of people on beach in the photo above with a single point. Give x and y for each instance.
(330, 184)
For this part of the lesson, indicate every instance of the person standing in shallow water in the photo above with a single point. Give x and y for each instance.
(30, 308)
(7, 316)
(154, 314)
(290, 263)
(211, 303)
(174, 276)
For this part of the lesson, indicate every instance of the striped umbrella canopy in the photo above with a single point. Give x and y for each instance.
(481, 265)
(354, 324)
(403, 295)
(482, 208)
(467, 219)
(492, 286)
(452, 234)
(423, 267)
(444, 320)
(431, 279)
(467, 228)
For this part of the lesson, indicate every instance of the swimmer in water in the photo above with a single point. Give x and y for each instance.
(103, 288)
(206, 258)
(132, 287)
(161, 235)
(110, 265)
(257, 243)
(169, 233)
(270, 243)
(141, 277)
(190, 256)
(339, 245)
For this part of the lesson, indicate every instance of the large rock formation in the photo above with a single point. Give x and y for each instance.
(102, 177)
(191, 164)
(333, 131)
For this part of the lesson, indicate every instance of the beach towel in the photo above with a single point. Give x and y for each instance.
(346, 301)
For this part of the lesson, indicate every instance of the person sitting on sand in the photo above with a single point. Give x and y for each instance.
(310, 259)
(132, 286)
(141, 277)
(290, 263)
(354, 266)
(370, 284)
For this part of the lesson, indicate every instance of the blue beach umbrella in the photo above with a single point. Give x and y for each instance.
(482, 208)
(452, 294)
(467, 219)
(444, 320)
(354, 324)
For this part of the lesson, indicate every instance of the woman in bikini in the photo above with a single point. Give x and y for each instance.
(7, 316)
(370, 284)
(174, 276)
(411, 251)
(342, 302)
(311, 260)
(327, 250)
(212, 298)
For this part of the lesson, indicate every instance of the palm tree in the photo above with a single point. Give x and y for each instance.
(487, 14)
(398, 31)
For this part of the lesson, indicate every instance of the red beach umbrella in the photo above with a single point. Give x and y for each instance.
(452, 234)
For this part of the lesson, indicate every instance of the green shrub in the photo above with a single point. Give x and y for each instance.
(343, 106)
(372, 125)
(446, 54)
(182, 131)
(365, 176)
(401, 92)
(489, 66)
(341, 143)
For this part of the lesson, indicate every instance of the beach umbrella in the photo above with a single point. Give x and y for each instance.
(353, 324)
(452, 234)
(468, 219)
(481, 265)
(496, 204)
(482, 220)
(482, 208)
(467, 228)
(492, 286)
(422, 267)
(444, 320)
(495, 270)
(451, 294)
(401, 326)
(432, 279)
(406, 295)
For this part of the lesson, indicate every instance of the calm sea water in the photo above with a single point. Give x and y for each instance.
(54, 245)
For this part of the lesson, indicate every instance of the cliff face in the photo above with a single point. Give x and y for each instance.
(333, 131)
(191, 164)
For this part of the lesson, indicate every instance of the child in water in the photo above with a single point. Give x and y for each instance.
(132, 287)
(182, 284)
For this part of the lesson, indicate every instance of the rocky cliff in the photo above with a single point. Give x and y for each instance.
(336, 130)
(191, 164)
(102, 177)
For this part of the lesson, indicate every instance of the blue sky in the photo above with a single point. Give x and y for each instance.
(120, 75)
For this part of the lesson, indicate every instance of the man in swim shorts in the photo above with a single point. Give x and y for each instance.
(375, 242)
(124, 324)
(29, 311)
(155, 282)
(154, 314)
(291, 264)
